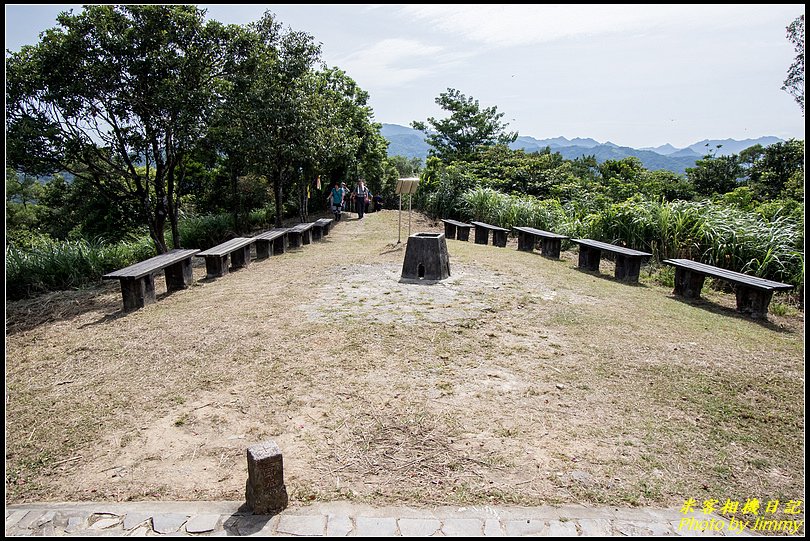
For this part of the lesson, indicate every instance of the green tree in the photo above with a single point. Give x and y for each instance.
(777, 164)
(467, 128)
(794, 83)
(281, 125)
(112, 89)
(715, 174)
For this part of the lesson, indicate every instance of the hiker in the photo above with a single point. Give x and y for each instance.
(360, 196)
(336, 197)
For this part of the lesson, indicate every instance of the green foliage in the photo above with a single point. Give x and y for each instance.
(467, 128)
(715, 174)
(38, 263)
(112, 88)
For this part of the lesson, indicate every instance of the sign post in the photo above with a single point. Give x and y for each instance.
(406, 186)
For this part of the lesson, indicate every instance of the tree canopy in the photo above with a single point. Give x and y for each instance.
(466, 130)
(794, 83)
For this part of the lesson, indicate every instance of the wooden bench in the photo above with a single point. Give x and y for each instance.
(628, 262)
(236, 250)
(138, 280)
(482, 234)
(272, 242)
(300, 234)
(453, 228)
(550, 242)
(320, 228)
(753, 293)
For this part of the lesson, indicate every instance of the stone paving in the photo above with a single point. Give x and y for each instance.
(340, 519)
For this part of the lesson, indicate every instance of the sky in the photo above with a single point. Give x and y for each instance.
(634, 75)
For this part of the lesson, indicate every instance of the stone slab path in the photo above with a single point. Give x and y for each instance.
(340, 519)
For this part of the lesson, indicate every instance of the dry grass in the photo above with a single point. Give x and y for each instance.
(518, 380)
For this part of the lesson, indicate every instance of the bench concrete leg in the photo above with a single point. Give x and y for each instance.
(240, 258)
(589, 258)
(463, 234)
(295, 239)
(326, 228)
(481, 235)
(216, 266)
(306, 236)
(449, 231)
(551, 248)
(137, 293)
(263, 249)
(279, 245)
(317, 233)
(627, 268)
(526, 241)
(499, 239)
(179, 276)
(753, 301)
(688, 284)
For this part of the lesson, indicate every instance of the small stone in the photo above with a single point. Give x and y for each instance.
(305, 525)
(418, 527)
(15, 517)
(46, 518)
(560, 386)
(168, 522)
(558, 528)
(74, 523)
(462, 527)
(131, 520)
(202, 523)
(492, 528)
(105, 523)
(375, 527)
(338, 526)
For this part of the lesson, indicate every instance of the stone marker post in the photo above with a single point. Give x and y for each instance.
(265, 492)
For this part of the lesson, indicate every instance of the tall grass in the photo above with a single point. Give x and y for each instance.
(723, 236)
(36, 263)
(44, 264)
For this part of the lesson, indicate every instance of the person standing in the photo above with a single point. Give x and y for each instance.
(336, 198)
(360, 195)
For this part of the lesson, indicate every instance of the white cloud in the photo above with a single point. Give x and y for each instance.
(394, 62)
(511, 25)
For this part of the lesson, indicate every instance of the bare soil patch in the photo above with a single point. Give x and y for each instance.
(518, 380)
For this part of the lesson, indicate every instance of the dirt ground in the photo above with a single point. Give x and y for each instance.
(518, 380)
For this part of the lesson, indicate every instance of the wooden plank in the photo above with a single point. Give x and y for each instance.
(731, 276)
(150, 266)
(611, 248)
(227, 247)
(488, 226)
(456, 223)
(273, 234)
(300, 228)
(540, 233)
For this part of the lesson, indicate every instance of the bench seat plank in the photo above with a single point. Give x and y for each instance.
(150, 266)
(482, 234)
(300, 234)
(236, 250)
(138, 280)
(753, 294)
(628, 262)
(456, 230)
(320, 228)
(550, 242)
(272, 242)
(731, 276)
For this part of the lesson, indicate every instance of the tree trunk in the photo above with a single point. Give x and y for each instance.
(277, 194)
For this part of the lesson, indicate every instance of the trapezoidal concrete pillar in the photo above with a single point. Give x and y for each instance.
(426, 257)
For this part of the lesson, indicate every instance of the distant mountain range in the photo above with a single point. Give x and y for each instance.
(405, 141)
